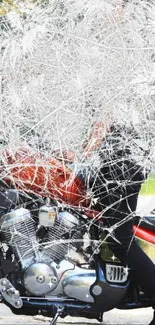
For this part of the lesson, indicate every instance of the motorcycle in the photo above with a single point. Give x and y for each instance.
(54, 260)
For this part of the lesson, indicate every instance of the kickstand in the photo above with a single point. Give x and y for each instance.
(57, 314)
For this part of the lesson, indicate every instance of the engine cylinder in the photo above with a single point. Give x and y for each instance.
(19, 232)
(55, 245)
(62, 236)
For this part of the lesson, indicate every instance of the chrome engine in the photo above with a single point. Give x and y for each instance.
(50, 253)
(47, 260)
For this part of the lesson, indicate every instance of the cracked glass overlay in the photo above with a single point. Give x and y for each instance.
(67, 66)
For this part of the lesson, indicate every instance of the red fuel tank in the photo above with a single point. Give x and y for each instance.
(47, 177)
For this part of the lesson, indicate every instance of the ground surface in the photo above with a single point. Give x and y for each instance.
(115, 317)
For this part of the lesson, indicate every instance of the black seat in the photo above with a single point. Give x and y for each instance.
(146, 222)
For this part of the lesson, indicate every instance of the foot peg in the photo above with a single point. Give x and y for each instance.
(10, 294)
(57, 314)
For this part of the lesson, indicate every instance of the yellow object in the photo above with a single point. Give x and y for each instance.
(6, 6)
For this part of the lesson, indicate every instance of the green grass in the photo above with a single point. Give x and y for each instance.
(148, 188)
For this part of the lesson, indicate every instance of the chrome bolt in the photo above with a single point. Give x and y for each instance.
(97, 290)
(3, 289)
(18, 303)
(3, 282)
(40, 278)
(11, 291)
(16, 294)
(97, 251)
(54, 279)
